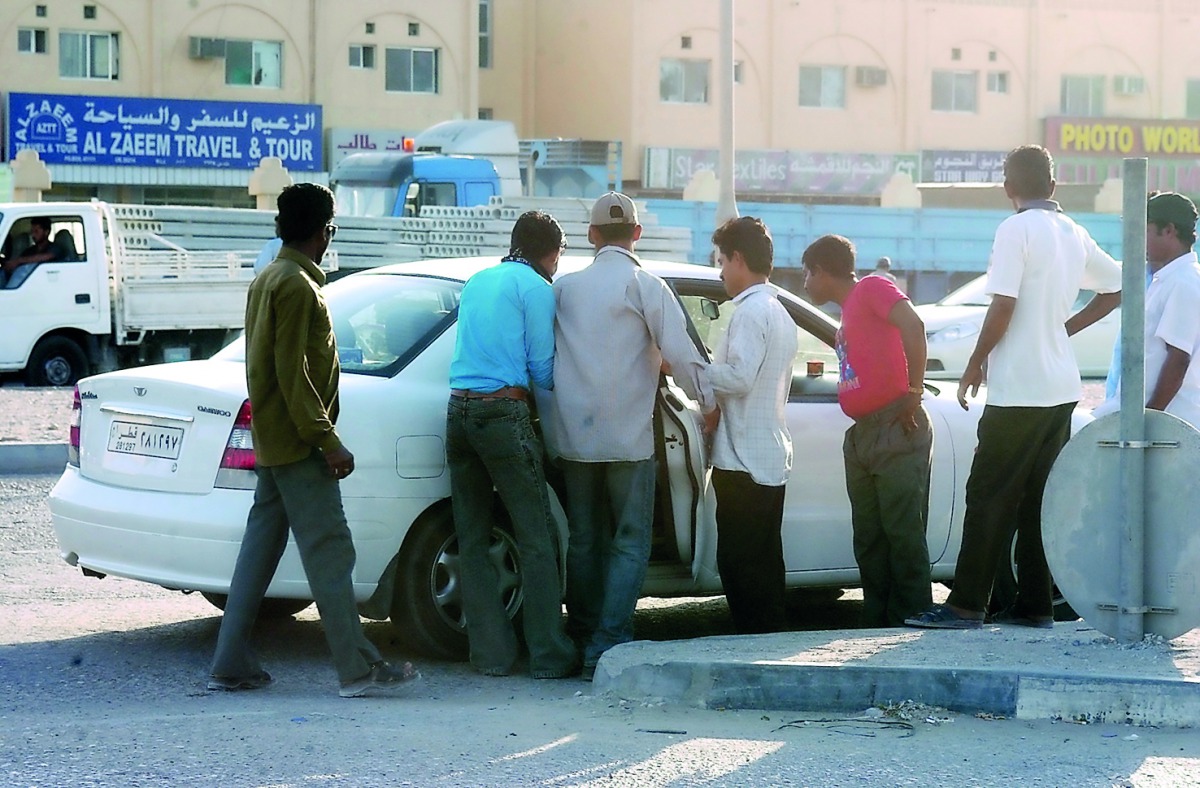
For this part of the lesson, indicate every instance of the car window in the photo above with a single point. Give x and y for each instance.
(711, 315)
(382, 322)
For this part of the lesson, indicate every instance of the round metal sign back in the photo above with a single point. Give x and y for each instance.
(1083, 524)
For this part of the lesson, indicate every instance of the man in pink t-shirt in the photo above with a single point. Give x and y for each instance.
(889, 448)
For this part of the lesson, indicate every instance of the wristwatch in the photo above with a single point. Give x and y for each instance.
(916, 390)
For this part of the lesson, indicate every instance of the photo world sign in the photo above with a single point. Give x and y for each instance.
(1134, 138)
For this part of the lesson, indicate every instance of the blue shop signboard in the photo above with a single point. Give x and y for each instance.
(112, 130)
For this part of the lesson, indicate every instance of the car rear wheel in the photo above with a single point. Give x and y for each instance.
(271, 607)
(427, 608)
(1004, 587)
(55, 361)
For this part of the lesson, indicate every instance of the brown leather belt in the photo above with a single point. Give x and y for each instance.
(508, 392)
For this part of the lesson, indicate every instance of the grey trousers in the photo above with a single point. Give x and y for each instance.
(301, 497)
(887, 479)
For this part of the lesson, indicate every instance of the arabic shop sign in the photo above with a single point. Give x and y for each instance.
(1116, 137)
(345, 141)
(112, 130)
(781, 171)
(962, 166)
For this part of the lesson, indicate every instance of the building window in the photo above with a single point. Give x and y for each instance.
(253, 63)
(956, 54)
(31, 41)
(362, 56)
(485, 33)
(823, 86)
(955, 91)
(411, 70)
(370, 28)
(683, 81)
(737, 72)
(486, 113)
(1083, 95)
(685, 42)
(41, 10)
(997, 82)
(88, 55)
(414, 28)
(89, 12)
(1193, 98)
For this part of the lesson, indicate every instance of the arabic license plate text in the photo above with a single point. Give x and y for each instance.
(145, 440)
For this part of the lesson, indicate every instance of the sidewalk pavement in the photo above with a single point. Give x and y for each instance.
(32, 457)
(1071, 672)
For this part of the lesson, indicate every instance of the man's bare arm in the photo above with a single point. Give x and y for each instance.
(1170, 378)
(1100, 305)
(995, 325)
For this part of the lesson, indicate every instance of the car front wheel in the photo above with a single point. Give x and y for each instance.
(427, 607)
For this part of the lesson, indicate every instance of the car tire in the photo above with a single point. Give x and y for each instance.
(56, 361)
(1004, 587)
(271, 607)
(427, 607)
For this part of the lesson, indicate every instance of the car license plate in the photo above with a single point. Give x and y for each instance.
(146, 440)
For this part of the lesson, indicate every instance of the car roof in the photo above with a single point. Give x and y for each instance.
(462, 268)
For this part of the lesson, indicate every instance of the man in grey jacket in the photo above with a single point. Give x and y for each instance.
(615, 326)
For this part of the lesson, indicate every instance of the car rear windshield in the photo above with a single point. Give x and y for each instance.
(382, 322)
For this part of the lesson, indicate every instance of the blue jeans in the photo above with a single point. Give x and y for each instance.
(301, 497)
(491, 442)
(610, 511)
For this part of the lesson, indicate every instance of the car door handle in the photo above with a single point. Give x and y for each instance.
(83, 298)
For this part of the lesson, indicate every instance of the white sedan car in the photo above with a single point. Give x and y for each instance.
(161, 475)
(952, 327)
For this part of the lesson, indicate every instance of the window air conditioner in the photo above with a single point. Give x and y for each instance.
(870, 76)
(1129, 85)
(205, 48)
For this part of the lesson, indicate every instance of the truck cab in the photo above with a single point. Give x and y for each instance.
(50, 310)
(403, 184)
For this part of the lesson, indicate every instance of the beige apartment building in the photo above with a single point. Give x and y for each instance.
(833, 96)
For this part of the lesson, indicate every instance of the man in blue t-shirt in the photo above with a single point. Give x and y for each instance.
(504, 347)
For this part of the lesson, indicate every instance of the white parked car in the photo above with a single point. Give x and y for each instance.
(161, 476)
(952, 327)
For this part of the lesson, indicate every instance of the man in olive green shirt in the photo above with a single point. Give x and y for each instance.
(292, 375)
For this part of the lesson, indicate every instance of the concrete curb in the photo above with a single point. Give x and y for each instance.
(1070, 672)
(31, 458)
(841, 688)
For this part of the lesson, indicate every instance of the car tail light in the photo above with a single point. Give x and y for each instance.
(237, 463)
(76, 421)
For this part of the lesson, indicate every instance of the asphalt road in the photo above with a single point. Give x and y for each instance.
(103, 685)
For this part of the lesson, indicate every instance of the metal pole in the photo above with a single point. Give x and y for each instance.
(726, 203)
(1132, 426)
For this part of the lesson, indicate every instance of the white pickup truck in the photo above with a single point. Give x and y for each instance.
(116, 291)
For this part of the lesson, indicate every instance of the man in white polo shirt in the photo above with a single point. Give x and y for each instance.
(1040, 260)
(1172, 311)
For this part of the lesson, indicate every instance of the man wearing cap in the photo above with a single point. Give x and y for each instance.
(1172, 311)
(615, 326)
(883, 268)
(1040, 260)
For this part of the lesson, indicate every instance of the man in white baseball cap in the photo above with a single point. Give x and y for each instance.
(615, 325)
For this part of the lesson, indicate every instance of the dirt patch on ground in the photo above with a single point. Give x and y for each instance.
(34, 415)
